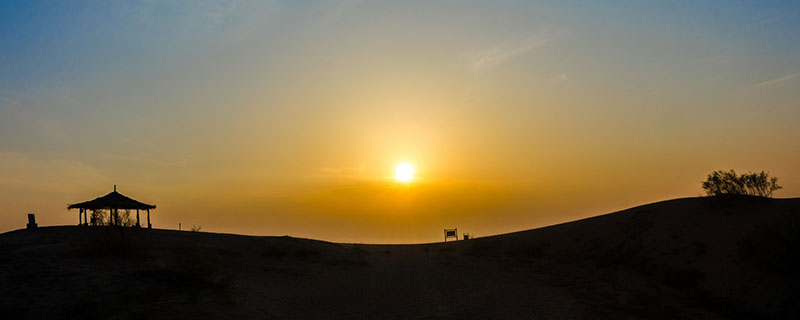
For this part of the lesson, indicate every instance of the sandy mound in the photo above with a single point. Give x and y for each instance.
(734, 257)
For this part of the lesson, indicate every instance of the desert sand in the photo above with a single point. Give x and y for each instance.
(723, 257)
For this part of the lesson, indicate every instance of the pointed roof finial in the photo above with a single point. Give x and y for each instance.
(115, 188)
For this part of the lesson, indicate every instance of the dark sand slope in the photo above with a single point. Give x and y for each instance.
(733, 257)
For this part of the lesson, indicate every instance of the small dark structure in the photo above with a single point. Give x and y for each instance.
(32, 221)
(113, 202)
(450, 233)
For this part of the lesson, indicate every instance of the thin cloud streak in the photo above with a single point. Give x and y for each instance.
(495, 56)
(776, 80)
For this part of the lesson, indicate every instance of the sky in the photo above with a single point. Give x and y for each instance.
(289, 117)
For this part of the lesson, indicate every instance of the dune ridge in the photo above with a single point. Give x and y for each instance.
(720, 257)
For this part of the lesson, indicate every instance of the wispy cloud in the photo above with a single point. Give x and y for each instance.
(776, 80)
(492, 57)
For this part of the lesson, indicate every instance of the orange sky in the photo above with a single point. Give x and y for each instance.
(280, 118)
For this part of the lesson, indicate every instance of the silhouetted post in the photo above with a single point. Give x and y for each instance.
(137, 219)
(149, 226)
(80, 214)
(85, 219)
(32, 221)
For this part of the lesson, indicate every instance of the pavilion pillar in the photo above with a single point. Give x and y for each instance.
(137, 219)
(85, 219)
(149, 226)
(80, 213)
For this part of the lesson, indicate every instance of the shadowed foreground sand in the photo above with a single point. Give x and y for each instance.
(734, 257)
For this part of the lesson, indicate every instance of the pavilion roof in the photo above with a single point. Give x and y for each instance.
(113, 200)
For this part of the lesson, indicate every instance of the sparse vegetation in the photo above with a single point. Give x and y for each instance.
(102, 217)
(125, 219)
(98, 218)
(722, 182)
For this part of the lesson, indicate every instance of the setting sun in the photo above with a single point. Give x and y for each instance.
(404, 172)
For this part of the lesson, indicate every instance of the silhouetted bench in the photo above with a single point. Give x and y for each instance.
(450, 233)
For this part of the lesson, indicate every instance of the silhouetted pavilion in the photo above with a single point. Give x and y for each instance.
(113, 202)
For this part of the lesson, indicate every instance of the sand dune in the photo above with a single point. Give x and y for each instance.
(732, 257)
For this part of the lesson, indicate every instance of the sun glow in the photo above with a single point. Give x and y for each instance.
(404, 172)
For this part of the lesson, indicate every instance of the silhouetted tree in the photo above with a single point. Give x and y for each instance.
(728, 182)
(125, 219)
(99, 218)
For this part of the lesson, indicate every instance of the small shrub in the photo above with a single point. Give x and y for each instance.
(99, 219)
(728, 182)
(125, 219)
(103, 217)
